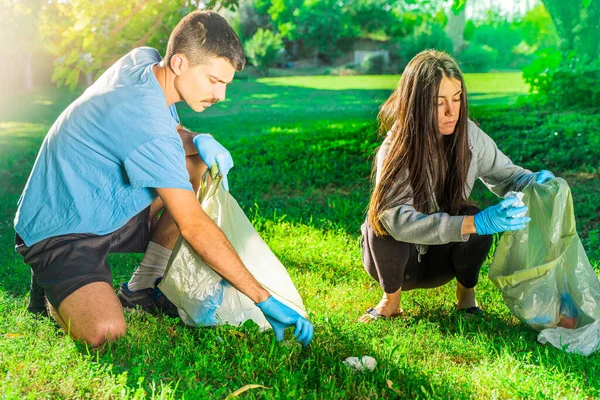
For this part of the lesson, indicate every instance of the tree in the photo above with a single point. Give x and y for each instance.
(577, 25)
(86, 36)
(374, 18)
(321, 24)
(263, 49)
(537, 29)
(318, 24)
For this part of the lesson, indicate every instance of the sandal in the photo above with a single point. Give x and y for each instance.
(375, 315)
(472, 310)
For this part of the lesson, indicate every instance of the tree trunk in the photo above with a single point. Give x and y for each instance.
(28, 71)
(89, 78)
(456, 29)
(316, 59)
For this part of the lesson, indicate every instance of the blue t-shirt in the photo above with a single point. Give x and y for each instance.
(104, 156)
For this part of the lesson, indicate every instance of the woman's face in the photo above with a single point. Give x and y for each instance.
(448, 104)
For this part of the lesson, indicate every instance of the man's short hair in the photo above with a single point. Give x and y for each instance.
(202, 34)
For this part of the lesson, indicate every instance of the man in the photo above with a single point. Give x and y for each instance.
(111, 162)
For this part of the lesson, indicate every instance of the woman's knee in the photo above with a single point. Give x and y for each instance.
(483, 242)
(384, 258)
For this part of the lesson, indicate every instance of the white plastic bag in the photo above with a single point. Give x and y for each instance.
(201, 295)
(584, 340)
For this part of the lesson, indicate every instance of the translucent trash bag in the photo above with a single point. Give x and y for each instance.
(202, 297)
(544, 274)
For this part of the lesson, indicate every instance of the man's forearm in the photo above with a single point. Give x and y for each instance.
(216, 251)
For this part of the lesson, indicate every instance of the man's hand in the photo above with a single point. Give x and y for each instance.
(212, 152)
(281, 316)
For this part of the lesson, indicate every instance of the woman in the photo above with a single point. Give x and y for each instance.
(420, 230)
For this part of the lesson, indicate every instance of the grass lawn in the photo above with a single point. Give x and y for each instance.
(303, 149)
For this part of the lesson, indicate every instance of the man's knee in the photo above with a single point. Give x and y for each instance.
(195, 165)
(103, 331)
(196, 168)
(92, 313)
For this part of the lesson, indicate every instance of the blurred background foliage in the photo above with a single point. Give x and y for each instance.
(554, 42)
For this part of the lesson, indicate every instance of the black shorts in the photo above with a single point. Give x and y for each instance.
(62, 264)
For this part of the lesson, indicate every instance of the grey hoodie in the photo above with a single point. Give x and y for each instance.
(488, 163)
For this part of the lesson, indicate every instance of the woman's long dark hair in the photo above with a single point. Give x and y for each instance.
(433, 166)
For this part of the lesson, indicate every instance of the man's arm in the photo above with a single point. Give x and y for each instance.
(209, 242)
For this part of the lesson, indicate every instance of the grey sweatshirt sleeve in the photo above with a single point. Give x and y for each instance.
(495, 169)
(406, 224)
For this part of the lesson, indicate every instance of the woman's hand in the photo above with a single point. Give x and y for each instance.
(501, 217)
(544, 176)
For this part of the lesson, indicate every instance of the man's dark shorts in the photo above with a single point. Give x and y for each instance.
(62, 264)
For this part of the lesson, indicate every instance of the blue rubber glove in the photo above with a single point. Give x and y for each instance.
(212, 152)
(500, 218)
(281, 316)
(544, 176)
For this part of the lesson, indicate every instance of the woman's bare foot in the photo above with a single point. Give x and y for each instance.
(465, 298)
(389, 307)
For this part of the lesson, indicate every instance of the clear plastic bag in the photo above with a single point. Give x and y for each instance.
(200, 294)
(543, 272)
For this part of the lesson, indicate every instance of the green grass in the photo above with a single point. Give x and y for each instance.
(303, 149)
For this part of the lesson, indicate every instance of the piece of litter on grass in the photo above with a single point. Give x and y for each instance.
(391, 386)
(361, 364)
(13, 335)
(245, 388)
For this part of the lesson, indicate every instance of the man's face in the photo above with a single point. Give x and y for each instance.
(204, 85)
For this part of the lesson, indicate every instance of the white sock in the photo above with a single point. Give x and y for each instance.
(151, 268)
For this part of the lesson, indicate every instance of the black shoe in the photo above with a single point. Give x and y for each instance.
(150, 300)
(37, 298)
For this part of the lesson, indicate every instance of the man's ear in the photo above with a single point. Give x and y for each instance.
(179, 64)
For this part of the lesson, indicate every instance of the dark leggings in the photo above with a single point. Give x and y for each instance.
(395, 265)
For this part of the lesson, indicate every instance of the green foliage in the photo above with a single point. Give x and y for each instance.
(429, 35)
(318, 24)
(86, 37)
(376, 18)
(537, 29)
(477, 58)
(577, 26)
(564, 82)
(263, 49)
(499, 43)
(500, 36)
(321, 25)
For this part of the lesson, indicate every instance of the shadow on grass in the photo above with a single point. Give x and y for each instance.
(232, 357)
